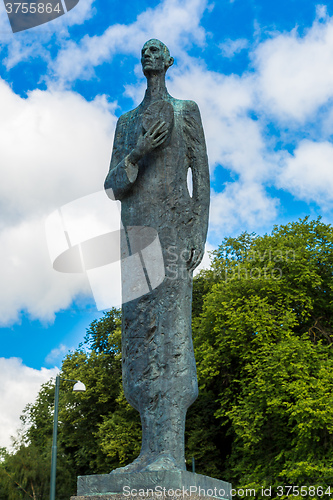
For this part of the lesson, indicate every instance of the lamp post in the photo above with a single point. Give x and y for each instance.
(78, 387)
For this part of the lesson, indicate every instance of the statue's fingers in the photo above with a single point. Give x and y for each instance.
(163, 124)
(162, 133)
(160, 139)
(156, 127)
(151, 129)
(163, 127)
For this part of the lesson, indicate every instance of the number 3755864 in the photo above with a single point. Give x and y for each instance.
(32, 8)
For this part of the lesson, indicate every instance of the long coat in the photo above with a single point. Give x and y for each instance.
(159, 373)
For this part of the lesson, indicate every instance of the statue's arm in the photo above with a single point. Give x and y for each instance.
(123, 172)
(201, 184)
(124, 165)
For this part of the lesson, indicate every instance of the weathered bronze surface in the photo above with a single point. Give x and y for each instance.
(154, 147)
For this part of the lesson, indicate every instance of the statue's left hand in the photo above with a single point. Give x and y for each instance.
(153, 138)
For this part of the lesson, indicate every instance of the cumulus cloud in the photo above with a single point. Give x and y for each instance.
(234, 140)
(56, 148)
(293, 73)
(308, 173)
(29, 282)
(19, 386)
(242, 206)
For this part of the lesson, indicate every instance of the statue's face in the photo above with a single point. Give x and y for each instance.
(153, 58)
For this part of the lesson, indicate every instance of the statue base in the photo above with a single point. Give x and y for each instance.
(178, 485)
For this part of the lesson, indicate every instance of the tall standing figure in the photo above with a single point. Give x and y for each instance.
(155, 145)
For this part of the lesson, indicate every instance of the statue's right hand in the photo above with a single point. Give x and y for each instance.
(153, 138)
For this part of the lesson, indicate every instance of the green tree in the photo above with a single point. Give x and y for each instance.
(82, 444)
(25, 473)
(263, 345)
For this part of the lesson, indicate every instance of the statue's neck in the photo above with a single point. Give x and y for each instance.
(156, 88)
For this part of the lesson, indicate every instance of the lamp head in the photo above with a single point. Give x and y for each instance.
(79, 387)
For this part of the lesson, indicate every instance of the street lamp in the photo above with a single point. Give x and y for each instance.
(78, 387)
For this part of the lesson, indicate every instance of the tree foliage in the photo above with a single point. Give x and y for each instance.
(263, 343)
(25, 474)
(97, 363)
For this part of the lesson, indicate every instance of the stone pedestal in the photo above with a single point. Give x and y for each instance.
(171, 485)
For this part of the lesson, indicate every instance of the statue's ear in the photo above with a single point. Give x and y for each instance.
(170, 62)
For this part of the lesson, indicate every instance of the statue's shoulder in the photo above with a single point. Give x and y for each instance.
(126, 117)
(186, 106)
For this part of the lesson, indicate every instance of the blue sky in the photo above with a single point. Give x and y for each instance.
(261, 73)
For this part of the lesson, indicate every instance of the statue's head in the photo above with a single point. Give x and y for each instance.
(155, 57)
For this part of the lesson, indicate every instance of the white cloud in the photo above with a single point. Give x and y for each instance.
(175, 22)
(231, 47)
(55, 148)
(235, 140)
(19, 386)
(321, 12)
(28, 281)
(241, 206)
(57, 354)
(308, 173)
(294, 75)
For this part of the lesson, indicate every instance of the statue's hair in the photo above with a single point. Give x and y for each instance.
(165, 48)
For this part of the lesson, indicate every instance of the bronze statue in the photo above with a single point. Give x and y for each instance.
(154, 147)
